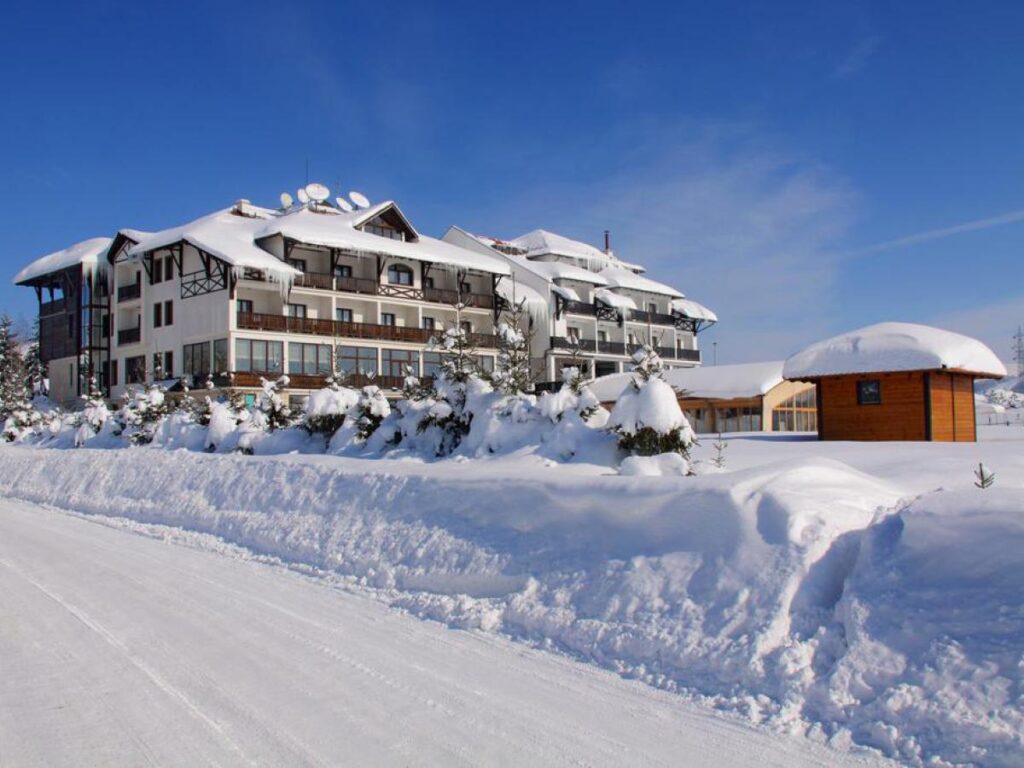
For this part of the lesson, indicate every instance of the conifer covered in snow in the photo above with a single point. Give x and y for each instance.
(512, 372)
(448, 414)
(12, 369)
(36, 375)
(274, 408)
(95, 415)
(370, 409)
(647, 417)
(141, 411)
(325, 410)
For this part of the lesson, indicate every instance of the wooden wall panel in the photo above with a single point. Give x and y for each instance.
(900, 416)
(952, 407)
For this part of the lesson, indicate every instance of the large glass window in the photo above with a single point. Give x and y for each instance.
(309, 359)
(431, 364)
(797, 414)
(357, 360)
(135, 370)
(196, 360)
(259, 356)
(220, 356)
(394, 362)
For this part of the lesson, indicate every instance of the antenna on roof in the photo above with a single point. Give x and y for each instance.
(286, 200)
(317, 192)
(344, 204)
(303, 196)
(359, 199)
(607, 241)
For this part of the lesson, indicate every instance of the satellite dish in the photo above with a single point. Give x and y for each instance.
(317, 192)
(286, 200)
(303, 196)
(344, 204)
(359, 199)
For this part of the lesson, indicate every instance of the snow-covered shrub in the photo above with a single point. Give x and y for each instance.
(647, 417)
(512, 372)
(574, 396)
(95, 416)
(325, 410)
(140, 413)
(272, 406)
(367, 414)
(224, 420)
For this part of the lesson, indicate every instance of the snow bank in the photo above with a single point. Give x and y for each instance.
(894, 347)
(803, 594)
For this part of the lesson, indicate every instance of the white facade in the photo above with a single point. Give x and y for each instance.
(593, 298)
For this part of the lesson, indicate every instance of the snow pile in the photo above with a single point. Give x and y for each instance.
(894, 347)
(803, 594)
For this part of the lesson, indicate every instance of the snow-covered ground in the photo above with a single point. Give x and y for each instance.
(855, 594)
(122, 650)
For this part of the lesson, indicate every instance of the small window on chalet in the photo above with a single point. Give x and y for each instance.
(299, 264)
(296, 310)
(869, 392)
(428, 282)
(343, 315)
(652, 308)
(429, 323)
(399, 274)
(343, 270)
(387, 318)
(168, 268)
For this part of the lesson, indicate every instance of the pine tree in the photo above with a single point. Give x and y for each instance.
(274, 407)
(458, 367)
(36, 374)
(95, 414)
(512, 375)
(13, 395)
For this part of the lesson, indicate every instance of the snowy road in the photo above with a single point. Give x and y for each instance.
(120, 649)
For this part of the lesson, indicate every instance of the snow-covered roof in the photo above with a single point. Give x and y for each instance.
(535, 305)
(88, 253)
(720, 382)
(559, 270)
(338, 230)
(614, 300)
(693, 310)
(566, 293)
(623, 278)
(226, 235)
(540, 242)
(894, 347)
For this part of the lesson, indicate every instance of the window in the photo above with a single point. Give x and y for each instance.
(486, 363)
(395, 362)
(357, 360)
(296, 310)
(156, 274)
(652, 308)
(391, 234)
(466, 326)
(869, 392)
(244, 305)
(605, 367)
(158, 315)
(431, 364)
(135, 370)
(113, 373)
(465, 288)
(259, 356)
(343, 270)
(168, 313)
(169, 364)
(343, 315)
(602, 336)
(429, 323)
(196, 360)
(573, 333)
(309, 359)
(399, 274)
(387, 318)
(220, 356)
(746, 419)
(299, 264)
(428, 282)
(169, 268)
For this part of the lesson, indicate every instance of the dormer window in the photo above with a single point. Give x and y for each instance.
(399, 274)
(388, 232)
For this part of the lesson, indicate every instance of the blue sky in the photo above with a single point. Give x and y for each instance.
(781, 162)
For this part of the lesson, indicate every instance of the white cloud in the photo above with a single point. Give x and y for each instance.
(940, 233)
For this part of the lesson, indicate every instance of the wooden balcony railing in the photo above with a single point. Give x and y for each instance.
(129, 336)
(307, 381)
(580, 308)
(255, 321)
(55, 307)
(620, 348)
(370, 287)
(129, 292)
(655, 318)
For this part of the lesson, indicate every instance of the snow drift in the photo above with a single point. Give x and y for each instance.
(802, 594)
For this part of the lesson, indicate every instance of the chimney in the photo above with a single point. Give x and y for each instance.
(607, 241)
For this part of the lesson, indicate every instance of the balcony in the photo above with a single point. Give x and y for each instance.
(620, 348)
(306, 381)
(254, 321)
(55, 307)
(654, 318)
(580, 308)
(693, 355)
(129, 336)
(129, 292)
(369, 287)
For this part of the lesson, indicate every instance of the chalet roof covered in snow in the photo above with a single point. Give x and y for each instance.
(335, 229)
(894, 347)
(88, 252)
(615, 300)
(226, 235)
(541, 242)
(618, 277)
(693, 310)
(722, 382)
